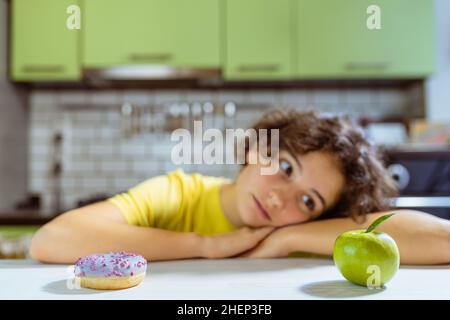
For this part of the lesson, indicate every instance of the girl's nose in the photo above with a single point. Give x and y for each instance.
(274, 201)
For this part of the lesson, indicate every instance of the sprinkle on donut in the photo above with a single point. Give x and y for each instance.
(112, 264)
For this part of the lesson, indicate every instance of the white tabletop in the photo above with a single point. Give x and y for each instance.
(247, 279)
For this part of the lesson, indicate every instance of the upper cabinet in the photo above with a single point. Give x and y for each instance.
(258, 39)
(247, 40)
(175, 33)
(43, 48)
(334, 40)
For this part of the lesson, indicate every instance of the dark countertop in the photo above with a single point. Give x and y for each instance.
(26, 217)
(417, 152)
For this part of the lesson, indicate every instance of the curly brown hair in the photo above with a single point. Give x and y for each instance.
(367, 186)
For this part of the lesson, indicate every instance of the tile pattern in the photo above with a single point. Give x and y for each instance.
(100, 156)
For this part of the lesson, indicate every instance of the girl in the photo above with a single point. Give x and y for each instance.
(329, 181)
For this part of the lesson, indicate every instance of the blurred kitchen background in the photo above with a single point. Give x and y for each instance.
(87, 112)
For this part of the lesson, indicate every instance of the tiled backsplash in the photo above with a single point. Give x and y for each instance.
(100, 157)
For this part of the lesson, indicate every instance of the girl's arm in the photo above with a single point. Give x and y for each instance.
(421, 238)
(101, 228)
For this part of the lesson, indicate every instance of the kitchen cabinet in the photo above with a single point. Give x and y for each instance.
(42, 47)
(175, 33)
(258, 39)
(333, 40)
(247, 40)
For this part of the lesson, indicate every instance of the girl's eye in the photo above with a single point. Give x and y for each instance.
(286, 167)
(308, 202)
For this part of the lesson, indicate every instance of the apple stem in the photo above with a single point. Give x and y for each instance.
(377, 222)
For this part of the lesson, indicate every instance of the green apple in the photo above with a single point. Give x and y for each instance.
(367, 257)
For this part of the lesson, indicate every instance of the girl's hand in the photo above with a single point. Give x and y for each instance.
(233, 243)
(274, 246)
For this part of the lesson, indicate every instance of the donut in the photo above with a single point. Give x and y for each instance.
(110, 271)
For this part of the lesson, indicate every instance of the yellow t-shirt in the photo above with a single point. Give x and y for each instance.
(178, 202)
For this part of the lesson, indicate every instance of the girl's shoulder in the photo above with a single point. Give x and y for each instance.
(196, 179)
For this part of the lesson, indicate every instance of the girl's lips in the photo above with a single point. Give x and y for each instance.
(261, 208)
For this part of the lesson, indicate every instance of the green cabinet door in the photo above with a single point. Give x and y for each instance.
(333, 40)
(176, 33)
(258, 39)
(43, 48)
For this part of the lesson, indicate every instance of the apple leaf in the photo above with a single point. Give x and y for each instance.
(377, 222)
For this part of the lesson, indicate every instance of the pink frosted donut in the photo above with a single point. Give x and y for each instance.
(114, 270)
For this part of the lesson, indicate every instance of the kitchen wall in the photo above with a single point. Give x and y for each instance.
(100, 157)
(13, 130)
(437, 87)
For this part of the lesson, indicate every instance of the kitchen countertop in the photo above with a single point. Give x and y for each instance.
(246, 279)
(26, 217)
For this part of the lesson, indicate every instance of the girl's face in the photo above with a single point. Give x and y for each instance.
(303, 188)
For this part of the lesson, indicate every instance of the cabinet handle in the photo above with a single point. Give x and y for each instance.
(146, 57)
(259, 68)
(43, 68)
(367, 65)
